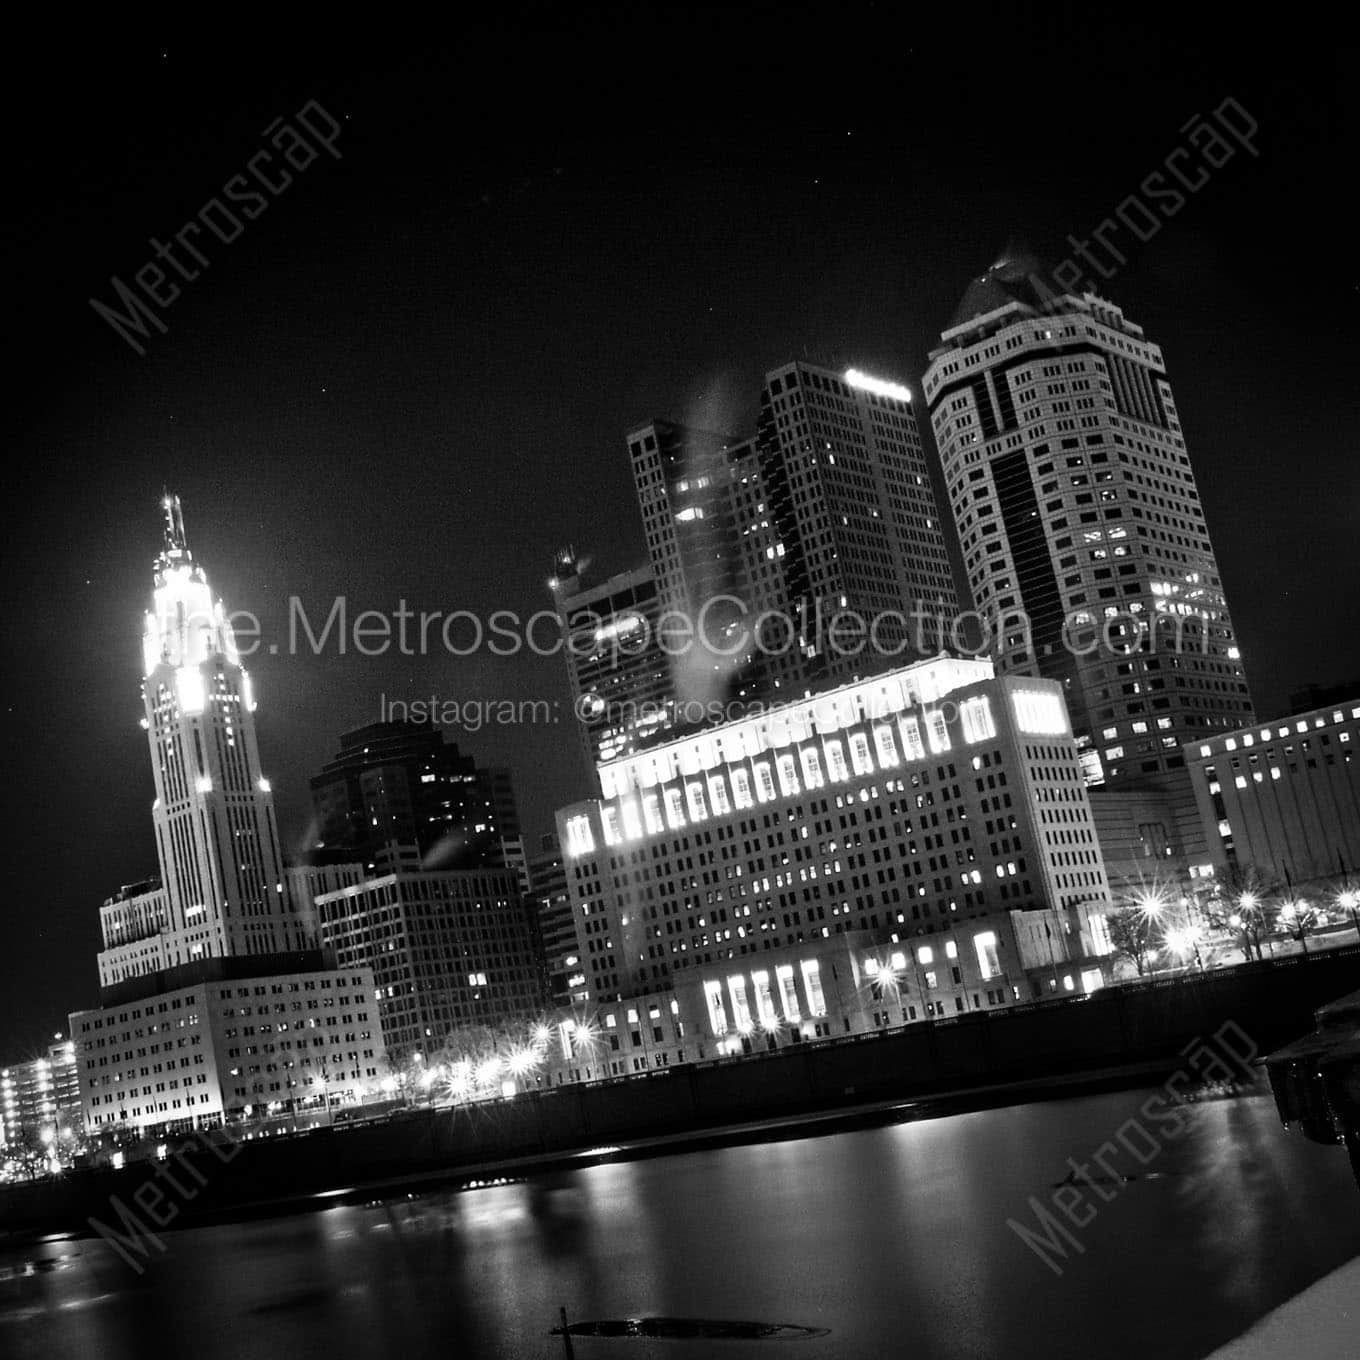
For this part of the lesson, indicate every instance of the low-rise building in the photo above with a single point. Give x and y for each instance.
(228, 1038)
(40, 1098)
(1283, 797)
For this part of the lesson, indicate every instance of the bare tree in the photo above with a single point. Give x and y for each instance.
(1242, 905)
(1131, 934)
(1300, 919)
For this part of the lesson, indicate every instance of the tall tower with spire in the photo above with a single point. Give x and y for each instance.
(216, 834)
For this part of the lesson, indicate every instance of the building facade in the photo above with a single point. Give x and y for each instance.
(844, 492)
(823, 988)
(555, 925)
(218, 1041)
(790, 559)
(398, 796)
(40, 1099)
(924, 806)
(448, 950)
(1080, 522)
(216, 835)
(623, 698)
(222, 908)
(1283, 797)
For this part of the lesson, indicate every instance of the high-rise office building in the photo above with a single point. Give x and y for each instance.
(623, 697)
(1080, 522)
(447, 949)
(806, 554)
(845, 492)
(555, 925)
(398, 796)
(683, 479)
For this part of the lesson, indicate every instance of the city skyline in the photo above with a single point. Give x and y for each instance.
(260, 530)
(682, 675)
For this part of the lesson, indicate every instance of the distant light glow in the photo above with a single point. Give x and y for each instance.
(189, 689)
(878, 386)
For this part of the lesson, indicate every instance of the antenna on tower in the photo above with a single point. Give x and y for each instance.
(174, 522)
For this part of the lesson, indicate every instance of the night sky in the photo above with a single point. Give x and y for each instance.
(411, 376)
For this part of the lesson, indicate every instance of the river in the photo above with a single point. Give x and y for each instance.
(894, 1241)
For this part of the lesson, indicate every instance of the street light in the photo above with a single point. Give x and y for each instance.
(1348, 899)
(1183, 942)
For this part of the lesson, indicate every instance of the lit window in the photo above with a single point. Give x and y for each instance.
(788, 991)
(579, 838)
(985, 944)
(741, 1008)
(835, 762)
(937, 731)
(812, 767)
(886, 748)
(977, 719)
(812, 985)
(765, 1011)
(1040, 713)
(911, 738)
(717, 1015)
(859, 754)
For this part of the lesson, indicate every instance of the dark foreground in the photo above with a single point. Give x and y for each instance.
(894, 1240)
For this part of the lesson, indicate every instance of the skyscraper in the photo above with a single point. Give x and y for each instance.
(187, 957)
(1080, 522)
(800, 556)
(447, 949)
(621, 688)
(844, 491)
(222, 890)
(397, 795)
(555, 925)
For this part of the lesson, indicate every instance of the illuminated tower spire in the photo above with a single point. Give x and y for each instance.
(174, 525)
(216, 833)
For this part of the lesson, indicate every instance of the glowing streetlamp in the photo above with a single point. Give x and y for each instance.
(1183, 942)
(1348, 899)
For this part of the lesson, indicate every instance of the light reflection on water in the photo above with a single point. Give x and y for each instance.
(895, 1239)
